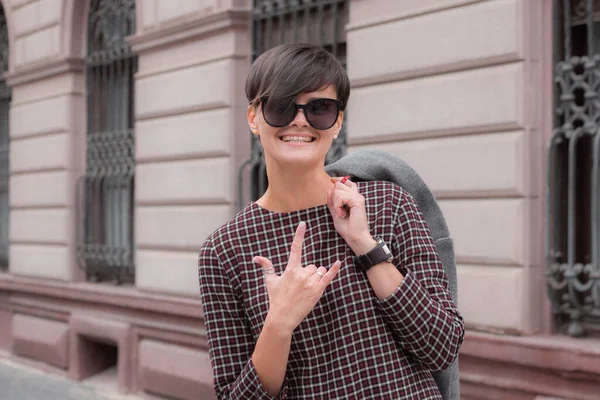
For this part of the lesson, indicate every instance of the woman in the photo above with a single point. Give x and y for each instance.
(323, 288)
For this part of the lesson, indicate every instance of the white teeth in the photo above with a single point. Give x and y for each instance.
(299, 139)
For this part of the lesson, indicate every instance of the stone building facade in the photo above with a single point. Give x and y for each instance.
(124, 144)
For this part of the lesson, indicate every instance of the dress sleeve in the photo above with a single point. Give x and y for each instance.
(229, 339)
(421, 313)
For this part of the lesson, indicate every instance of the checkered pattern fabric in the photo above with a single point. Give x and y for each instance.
(352, 345)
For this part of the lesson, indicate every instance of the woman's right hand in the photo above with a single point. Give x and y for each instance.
(294, 294)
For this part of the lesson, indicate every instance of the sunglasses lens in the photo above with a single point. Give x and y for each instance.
(279, 113)
(319, 113)
(322, 113)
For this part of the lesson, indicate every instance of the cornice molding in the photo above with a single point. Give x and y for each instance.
(44, 70)
(180, 30)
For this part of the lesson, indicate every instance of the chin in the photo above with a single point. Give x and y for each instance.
(299, 159)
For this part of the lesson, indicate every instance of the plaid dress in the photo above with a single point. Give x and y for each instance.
(351, 345)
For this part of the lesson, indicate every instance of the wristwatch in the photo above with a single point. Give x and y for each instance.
(378, 255)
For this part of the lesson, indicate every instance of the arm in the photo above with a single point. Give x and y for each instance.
(420, 310)
(413, 292)
(270, 356)
(236, 376)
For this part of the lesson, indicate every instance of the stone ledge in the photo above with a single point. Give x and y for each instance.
(562, 354)
(484, 379)
(527, 367)
(185, 29)
(128, 297)
(43, 70)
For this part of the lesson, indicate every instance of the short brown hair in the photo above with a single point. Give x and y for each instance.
(283, 72)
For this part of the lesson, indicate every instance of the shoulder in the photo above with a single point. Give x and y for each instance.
(232, 235)
(383, 193)
(235, 228)
(220, 248)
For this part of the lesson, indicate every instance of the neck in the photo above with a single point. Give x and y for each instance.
(292, 189)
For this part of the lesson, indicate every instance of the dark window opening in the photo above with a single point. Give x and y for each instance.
(105, 193)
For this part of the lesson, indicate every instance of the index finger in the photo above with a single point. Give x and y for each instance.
(296, 250)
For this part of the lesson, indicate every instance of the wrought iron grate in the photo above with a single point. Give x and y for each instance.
(275, 22)
(5, 96)
(573, 270)
(105, 193)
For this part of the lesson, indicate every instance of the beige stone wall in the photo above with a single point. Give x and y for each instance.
(191, 134)
(449, 86)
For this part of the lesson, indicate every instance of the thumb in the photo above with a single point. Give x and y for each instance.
(267, 267)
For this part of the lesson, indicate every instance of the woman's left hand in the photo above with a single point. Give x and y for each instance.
(347, 208)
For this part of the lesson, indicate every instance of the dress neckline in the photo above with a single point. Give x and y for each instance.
(262, 210)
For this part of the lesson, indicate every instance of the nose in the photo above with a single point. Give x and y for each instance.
(299, 119)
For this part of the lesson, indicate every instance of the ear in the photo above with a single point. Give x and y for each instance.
(252, 118)
(338, 123)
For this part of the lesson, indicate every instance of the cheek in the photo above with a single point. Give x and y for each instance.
(267, 132)
(329, 134)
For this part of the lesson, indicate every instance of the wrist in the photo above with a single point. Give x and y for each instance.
(363, 244)
(276, 326)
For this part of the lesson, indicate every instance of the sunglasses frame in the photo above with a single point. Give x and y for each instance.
(303, 107)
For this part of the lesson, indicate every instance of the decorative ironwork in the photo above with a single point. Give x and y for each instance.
(579, 14)
(5, 96)
(275, 22)
(105, 193)
(573, 250)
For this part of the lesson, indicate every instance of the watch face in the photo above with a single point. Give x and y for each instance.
(388, 253)
(385, 248)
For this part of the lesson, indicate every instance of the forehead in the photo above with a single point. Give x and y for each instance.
(327, 92)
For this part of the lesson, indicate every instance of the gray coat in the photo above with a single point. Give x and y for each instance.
(370, 165)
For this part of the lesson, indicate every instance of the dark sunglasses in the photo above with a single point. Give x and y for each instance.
(321, 114)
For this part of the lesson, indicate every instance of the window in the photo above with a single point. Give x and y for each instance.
(106, 192)
(574, 170)
(320, 22)
(4, 143)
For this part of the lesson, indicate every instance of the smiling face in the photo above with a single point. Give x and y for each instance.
(298, 143)
(296, 73)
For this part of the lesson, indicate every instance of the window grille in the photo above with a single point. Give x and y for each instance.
(106, 192)
(4, 143)
(276, 22)
(573, 270)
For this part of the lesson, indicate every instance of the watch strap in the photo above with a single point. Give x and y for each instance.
(378, 255)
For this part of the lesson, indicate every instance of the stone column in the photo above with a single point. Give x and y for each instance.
(191, 132)
(46, 131)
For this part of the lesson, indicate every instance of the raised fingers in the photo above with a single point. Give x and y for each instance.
(296, 250)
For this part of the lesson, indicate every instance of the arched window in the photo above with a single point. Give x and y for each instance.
(106, 243)
(274, 22)
(4, 143)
